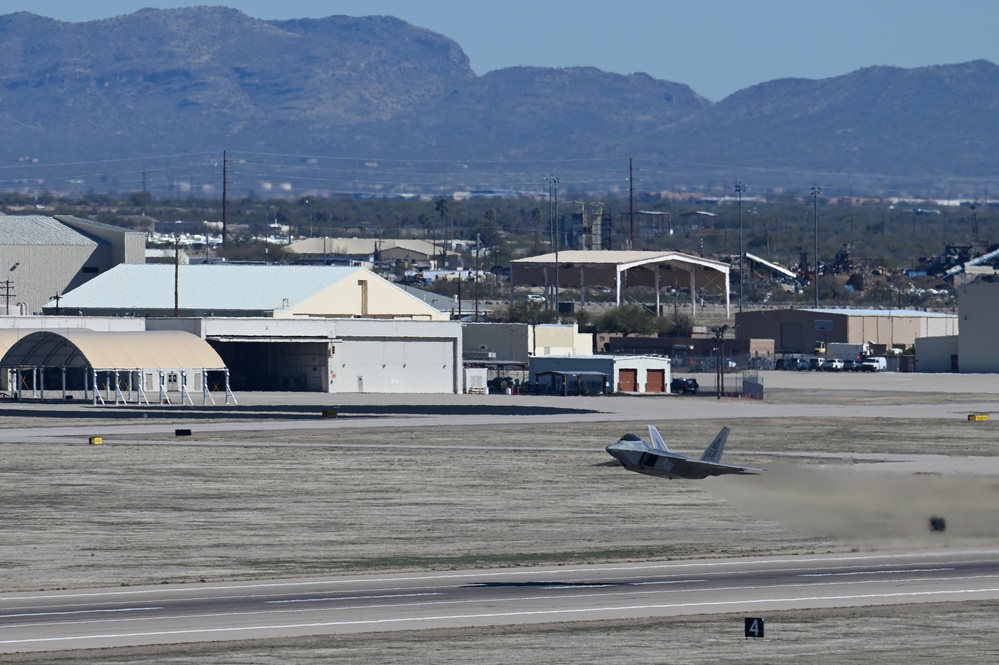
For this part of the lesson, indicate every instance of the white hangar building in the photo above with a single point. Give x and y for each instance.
(295, 328)
(332, 355)
(276, 291)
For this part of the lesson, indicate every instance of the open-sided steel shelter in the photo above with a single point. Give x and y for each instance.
(580, 269)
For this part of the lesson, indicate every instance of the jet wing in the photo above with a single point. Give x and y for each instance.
(696, 469)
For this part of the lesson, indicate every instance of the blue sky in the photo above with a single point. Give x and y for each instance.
(715, 46)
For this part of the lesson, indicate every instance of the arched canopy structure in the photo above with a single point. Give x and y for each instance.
(113, 354)
(112, 350)
(585, 268)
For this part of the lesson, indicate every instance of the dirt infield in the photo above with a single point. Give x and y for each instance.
(350, 499)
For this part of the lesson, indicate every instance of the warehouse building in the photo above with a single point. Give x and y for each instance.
(797, 330)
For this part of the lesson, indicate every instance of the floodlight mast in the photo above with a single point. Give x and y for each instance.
(740, 187)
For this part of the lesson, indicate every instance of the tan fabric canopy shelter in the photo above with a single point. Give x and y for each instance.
(111, 350)
(118, 357)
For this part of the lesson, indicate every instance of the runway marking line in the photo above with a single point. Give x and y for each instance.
(494, 615)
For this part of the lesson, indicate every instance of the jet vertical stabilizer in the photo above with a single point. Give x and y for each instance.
(657, 439)
(714, 452)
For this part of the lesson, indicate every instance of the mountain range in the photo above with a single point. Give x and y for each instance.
(77, 99)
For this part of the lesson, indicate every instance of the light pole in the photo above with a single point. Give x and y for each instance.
(816, 190)
(553, 220)
(740, 187)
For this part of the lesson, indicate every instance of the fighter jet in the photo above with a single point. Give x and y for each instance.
(634, 454)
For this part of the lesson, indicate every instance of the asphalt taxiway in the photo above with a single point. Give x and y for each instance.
(94, 618)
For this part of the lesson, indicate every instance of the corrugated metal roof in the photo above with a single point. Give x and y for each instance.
(38, 230)
(98, 225)
(619, 257)
(205, 287)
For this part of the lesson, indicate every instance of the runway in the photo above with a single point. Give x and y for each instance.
(80, 619)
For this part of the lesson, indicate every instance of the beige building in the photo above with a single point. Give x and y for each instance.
(797, 330)
(977, 349)
(517, 342)
(370, 250)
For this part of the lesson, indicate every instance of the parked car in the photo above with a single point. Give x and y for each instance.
(683, 386)
(535, 297)
(833, 365)
(500, 384)
(816, 363)
(851, 365)
(801, 364)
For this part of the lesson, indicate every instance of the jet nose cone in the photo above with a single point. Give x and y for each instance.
(618, 451)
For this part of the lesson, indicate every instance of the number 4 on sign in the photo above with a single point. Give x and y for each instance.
(754, 627)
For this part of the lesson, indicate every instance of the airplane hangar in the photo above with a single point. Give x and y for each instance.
(294, 328)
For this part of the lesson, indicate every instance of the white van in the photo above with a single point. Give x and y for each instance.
(875, 364)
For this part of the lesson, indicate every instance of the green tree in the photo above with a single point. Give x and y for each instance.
(630, 319)
(531, 312)
(140, 199)
(679, 325)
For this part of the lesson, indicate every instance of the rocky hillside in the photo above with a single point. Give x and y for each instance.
(203, 79)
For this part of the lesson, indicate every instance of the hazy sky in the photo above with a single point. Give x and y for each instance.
(715, 46)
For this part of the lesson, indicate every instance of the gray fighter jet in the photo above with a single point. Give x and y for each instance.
(634, 454)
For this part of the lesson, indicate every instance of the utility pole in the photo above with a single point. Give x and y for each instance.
(553, 219)
(57, 297)
(740, 187)
(816, 190)
(631, 203)
(8, 293)
(225, 193)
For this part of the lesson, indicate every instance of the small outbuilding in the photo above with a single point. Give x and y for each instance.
(601, 374)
